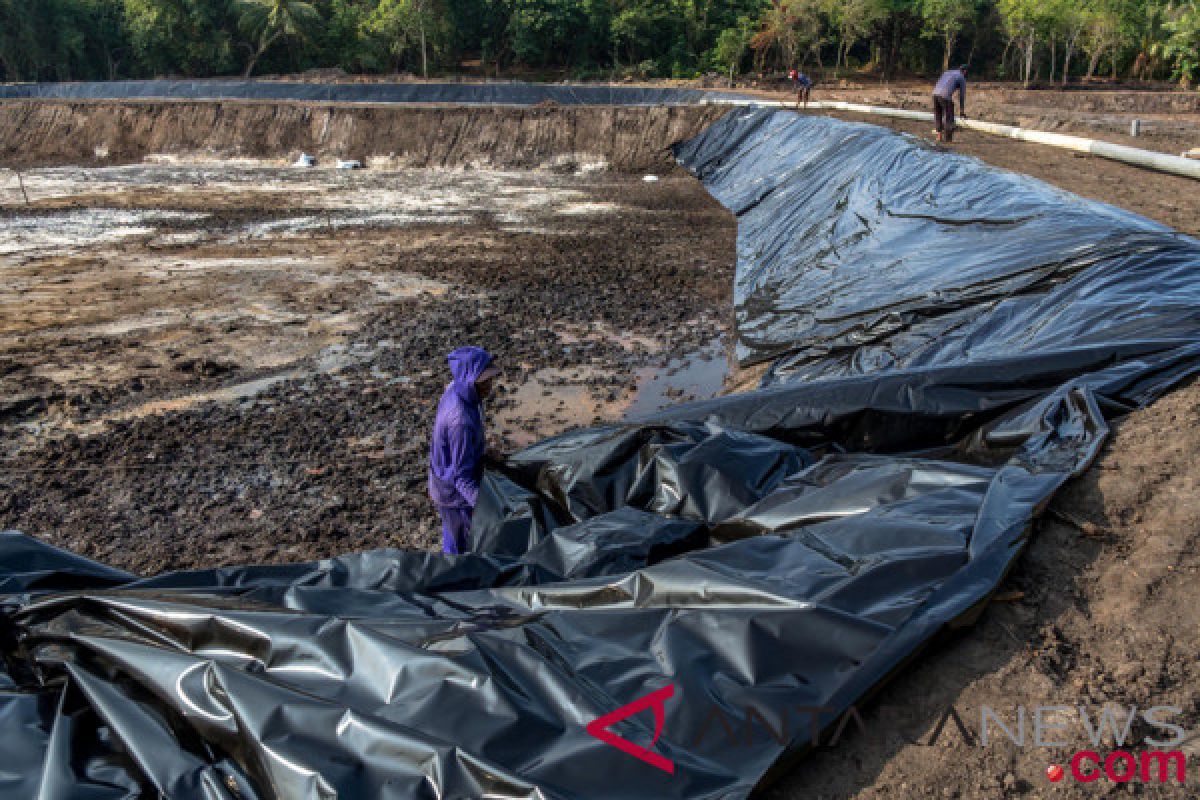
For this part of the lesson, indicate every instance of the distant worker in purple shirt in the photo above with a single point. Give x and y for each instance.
(458, 444)
(952, 80)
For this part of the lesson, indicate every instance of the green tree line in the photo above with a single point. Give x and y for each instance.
(1029, 40)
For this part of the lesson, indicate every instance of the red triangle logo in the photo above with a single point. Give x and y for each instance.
(599, 728)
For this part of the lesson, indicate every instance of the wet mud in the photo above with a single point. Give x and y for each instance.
(240, 364)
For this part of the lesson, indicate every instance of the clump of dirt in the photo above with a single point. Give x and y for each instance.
(1096, 613)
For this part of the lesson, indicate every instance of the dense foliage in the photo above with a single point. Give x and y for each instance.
(1031, 40)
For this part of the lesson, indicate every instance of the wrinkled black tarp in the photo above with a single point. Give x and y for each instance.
(861, 251)
(790, 547)
(440, 93)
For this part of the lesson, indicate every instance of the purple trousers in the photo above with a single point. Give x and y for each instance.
(456, 530)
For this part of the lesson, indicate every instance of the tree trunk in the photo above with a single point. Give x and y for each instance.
(262, 48)
(424, 55)
(1053, 58)
(889, 64)
(949, 41)
(1093, 62)
(253, 61)
(1067, 63)
(1029, 44)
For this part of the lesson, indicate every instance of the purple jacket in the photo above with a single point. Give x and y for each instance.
(952, 81)
(456, 450)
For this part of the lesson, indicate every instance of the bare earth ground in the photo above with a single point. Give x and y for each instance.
(240, 365)
(140, 434)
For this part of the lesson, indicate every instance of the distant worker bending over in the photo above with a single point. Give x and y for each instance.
(802, 85)
(457, 449)
(952, 80)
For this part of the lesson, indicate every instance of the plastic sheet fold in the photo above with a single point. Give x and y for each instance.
(948, 344)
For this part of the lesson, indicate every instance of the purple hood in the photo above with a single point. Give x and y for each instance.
(457, 445)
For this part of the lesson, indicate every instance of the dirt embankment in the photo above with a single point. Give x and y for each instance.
(1170, 121)
(1099, 612)
(1078, 100)
(104, 133)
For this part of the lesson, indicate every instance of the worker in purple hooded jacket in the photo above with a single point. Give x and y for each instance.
(458, 446)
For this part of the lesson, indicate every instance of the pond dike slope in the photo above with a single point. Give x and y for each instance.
(519, 126)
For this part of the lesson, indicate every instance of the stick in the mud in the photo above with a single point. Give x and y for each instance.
(21, 183)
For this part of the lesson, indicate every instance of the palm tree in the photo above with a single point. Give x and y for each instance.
(268, 21)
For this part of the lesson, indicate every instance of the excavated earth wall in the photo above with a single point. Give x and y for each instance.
(106, 132)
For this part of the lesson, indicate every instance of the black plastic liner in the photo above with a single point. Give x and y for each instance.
(521, 94)
(764, 554)
(861, 251)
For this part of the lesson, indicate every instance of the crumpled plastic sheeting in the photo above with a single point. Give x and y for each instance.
(861, 251)
(522, 94)
(789, 548)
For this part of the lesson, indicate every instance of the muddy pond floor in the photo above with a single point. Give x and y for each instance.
(208, 364)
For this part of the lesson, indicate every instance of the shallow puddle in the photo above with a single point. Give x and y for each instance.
(69, 231)
(695, 376)
(553, 400)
